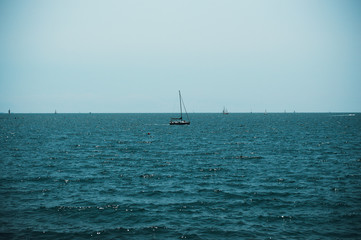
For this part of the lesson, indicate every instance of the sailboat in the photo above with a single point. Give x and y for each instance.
(180, 121)
(225, 111)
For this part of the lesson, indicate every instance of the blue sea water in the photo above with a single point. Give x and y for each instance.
(133, 176)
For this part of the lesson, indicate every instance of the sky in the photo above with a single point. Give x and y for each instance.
(129, 56)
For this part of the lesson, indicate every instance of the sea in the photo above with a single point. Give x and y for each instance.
(134, 176)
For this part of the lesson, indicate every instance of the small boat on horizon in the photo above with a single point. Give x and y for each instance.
(225, 111)
(180, 120)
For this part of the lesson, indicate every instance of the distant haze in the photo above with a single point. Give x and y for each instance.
(134, 55)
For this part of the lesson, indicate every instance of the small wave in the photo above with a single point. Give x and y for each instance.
(147, 176)
(90, 207)
(250, 157)
(345, 115)
(144, 142)
(274, 218)
(210, 169)
(106, 233)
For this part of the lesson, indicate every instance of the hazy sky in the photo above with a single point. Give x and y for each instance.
(134, 55)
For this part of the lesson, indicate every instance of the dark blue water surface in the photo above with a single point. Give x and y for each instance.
(236, 176)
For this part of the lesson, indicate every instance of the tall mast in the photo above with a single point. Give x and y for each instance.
(180, 103)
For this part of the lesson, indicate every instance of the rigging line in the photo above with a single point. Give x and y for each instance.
(185, 109)
(180, 103)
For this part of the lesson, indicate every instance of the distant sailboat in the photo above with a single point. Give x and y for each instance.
(55, 112)
(9, 112)
(180, 121)
(225, 111)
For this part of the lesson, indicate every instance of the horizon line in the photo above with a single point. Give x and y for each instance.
(248, 112)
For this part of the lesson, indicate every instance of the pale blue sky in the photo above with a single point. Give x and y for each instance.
(134, 55)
